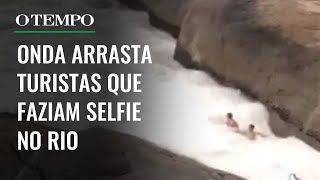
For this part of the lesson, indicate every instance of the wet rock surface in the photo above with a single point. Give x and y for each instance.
(102, 154)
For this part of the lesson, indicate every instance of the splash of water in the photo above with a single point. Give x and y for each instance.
(184, 111)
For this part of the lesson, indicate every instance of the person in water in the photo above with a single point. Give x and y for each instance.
(231, 123)
(252, 134)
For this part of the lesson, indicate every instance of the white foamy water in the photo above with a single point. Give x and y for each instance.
(184, 111)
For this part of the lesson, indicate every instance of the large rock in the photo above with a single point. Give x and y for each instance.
(171, 11)
(270, 48)
(101, 155)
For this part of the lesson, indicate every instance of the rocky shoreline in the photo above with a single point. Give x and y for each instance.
(246, 45)
(102, 154)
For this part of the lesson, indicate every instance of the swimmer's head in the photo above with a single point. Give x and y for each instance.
(251, 127)
(229, 115)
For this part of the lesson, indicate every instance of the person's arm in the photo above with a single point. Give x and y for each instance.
(235, 124)
(261, 134)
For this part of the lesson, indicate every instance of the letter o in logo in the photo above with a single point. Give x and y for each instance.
(26, 20)
(91, 20)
